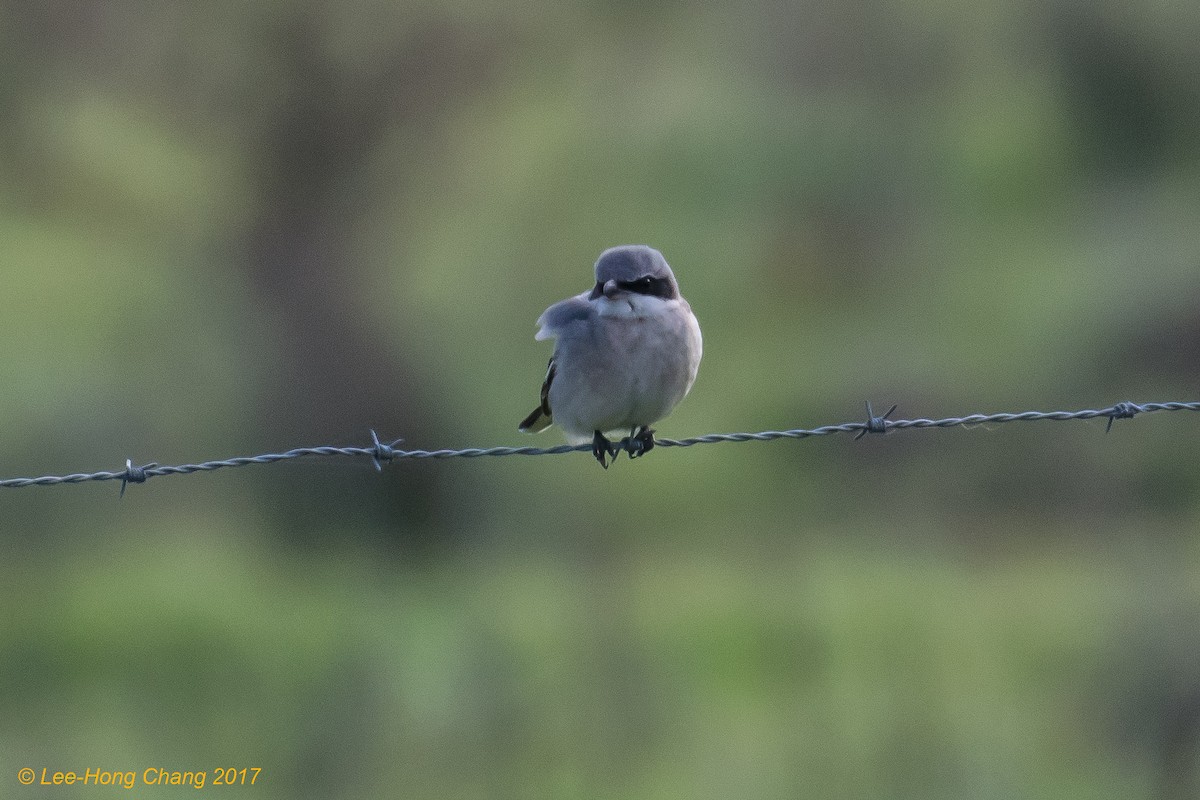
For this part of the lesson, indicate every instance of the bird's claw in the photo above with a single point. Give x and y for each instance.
(602, 447)
(640, 443)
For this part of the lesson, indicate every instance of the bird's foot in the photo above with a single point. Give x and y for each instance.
(640, 443)
(602, 447)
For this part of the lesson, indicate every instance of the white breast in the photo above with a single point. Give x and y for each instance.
(630, 368)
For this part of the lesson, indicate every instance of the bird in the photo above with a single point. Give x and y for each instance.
(625, 353)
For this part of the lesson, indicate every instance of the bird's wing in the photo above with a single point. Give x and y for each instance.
(558, 316)
(553, 321)
(551, 369)
(541, 418)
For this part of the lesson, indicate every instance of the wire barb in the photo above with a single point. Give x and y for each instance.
(134, 474)
(1124, 410)
(875, 424)
(380, 452)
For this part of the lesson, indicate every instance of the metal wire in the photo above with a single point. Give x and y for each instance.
(381, 452)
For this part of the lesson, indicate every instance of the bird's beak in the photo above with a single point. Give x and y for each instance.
(611, 290)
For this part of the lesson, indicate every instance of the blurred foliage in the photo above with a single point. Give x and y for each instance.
(233, 228)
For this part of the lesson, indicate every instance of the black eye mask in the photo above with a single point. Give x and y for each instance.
(647, 285)
(655, 287)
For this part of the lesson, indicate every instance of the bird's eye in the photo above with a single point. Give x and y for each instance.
(648, 285)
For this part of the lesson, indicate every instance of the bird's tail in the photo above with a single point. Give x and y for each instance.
(536, 422)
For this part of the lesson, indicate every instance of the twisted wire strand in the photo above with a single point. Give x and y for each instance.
(380, 452)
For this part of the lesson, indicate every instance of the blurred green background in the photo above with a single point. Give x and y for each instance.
(237, 228)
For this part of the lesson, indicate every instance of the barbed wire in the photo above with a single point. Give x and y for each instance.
(381, 453)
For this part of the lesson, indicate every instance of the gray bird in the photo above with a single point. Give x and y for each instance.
(625, 354)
